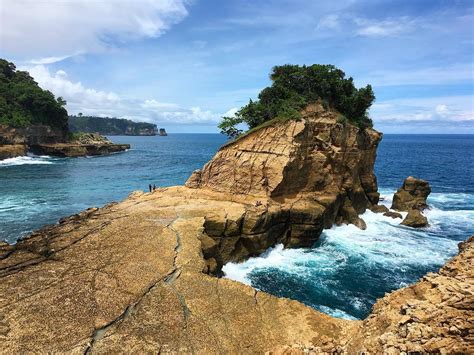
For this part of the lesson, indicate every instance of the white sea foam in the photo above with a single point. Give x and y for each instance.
(385, 244)
(27, 160)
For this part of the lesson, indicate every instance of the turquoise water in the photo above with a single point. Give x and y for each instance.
(348, 269)
(342, 275)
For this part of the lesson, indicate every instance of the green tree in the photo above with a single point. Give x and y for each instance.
(294, 87)
(23, 102)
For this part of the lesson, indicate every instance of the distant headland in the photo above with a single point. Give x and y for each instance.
(111, 126)
(34, 120)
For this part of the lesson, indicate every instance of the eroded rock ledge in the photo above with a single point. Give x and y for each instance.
(128, 278)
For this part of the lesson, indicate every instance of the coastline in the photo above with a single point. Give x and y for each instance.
(178, 238)
(91, 256)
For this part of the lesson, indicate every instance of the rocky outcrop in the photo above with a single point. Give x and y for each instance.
(136, 276)
(35, 134)
(73, 287)
(44, 140)
(12, 151)
(89, 138)
(412, 194)
(163, 132)
(415, 219)
(393, 214)
(77, 150)
(302, 176)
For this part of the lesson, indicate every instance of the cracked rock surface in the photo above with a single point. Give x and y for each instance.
(129, 278)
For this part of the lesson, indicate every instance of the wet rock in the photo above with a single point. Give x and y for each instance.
(393, 214)
(379, 209)
(415, 219)
(412, 194)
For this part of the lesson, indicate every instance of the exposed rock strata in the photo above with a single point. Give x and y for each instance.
(128, 278)
(134, 276)
(316, 172)
(12, 151)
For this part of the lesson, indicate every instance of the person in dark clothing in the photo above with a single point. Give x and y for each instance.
(149, 187)
(154, 187)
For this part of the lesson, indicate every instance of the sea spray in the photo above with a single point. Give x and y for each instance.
(348, 269)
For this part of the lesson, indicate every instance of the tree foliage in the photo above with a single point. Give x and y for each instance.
(293, 87)
(24, 103)
(110, 126)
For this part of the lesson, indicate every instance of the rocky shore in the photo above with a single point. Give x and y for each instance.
(139, 276)
(43, 140)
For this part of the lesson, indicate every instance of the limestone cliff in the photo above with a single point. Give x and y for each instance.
(303, 176)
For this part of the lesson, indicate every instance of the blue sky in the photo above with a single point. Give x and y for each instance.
(183, 64)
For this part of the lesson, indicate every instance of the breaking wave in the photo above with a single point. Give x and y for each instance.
(27, 160)
(348, 268)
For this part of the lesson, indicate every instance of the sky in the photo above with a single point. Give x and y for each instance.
(183, 64)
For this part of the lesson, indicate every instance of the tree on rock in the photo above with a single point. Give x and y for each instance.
(294, 87)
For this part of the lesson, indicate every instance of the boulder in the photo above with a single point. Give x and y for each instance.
(393, 214)
(412, 194)
(415, 219)
(379, 209)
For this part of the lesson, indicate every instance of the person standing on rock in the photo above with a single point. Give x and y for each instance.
(149, 187)
(154, 187)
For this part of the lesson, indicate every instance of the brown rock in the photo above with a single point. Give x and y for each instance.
(412, 194)
(379, 209)
(12, 151)
(128, 278)
(415, 219)
(77, 150)
(393, 214)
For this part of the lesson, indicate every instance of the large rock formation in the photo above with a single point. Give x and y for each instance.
(412, 195)
(314, 172)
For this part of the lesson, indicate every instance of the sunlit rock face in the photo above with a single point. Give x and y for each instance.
(311, 173)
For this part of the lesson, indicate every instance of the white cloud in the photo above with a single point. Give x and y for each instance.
(53, 29)
(49, 60)
(102, 103)
(330, 22)
(448, 74)
(384, 28)
(437, 109)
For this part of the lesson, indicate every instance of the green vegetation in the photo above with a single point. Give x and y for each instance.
(24, 103)
(110, 126)
(294, 87)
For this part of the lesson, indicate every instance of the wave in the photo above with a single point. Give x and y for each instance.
(348, 268)
(27, 160)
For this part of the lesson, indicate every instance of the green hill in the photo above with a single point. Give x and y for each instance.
(23, 103)
(111, 126)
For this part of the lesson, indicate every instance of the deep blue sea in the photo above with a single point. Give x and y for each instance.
(342, 275)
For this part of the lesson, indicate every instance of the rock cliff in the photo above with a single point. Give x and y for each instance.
(303, 176)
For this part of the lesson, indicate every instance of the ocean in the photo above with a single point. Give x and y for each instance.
(346, 270)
